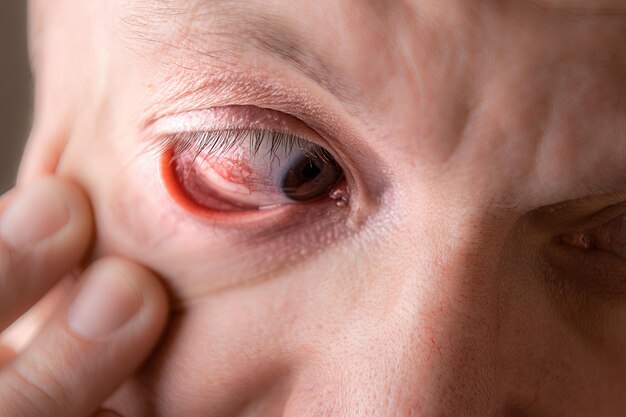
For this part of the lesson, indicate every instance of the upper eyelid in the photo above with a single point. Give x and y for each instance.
(228, 119)
(219, 142)
(236, 85)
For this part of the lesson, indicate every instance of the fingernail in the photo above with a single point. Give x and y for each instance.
(34, 214)
(106, 301)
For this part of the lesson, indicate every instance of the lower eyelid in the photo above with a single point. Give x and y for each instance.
(176, 191)
(596, 274)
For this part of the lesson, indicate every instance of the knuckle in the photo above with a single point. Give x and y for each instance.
(15, 400)
(34, 391)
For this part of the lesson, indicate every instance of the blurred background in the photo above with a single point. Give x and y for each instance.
(15, 88)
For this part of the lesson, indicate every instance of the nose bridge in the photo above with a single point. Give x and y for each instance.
(448, 314)
(443, 333)
(427, 341)
(449, 286)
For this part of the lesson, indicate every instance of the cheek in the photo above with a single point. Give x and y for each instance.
(251, 347)
(132, 213)
(218, 358)
(123, 195)
(382, 310)
(299, 338)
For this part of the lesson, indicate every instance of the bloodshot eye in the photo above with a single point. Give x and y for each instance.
(246, 170)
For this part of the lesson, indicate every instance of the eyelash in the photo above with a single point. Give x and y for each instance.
(216, 143)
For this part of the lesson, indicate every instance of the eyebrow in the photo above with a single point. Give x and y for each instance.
(219, 24)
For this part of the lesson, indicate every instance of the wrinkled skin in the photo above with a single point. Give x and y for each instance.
(474, 134)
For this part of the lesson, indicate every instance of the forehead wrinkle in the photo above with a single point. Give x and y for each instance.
(208, 31)
(147, 25)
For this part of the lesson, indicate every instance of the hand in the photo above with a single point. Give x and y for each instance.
(94, 343)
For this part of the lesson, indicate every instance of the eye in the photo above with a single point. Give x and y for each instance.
(235, 170)
(610, 237)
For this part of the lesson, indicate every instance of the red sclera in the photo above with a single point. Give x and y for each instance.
(187, 188)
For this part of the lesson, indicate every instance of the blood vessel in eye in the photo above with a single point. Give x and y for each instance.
(189, 192)
(235, 171)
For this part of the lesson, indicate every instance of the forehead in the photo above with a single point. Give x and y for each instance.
(365, 38)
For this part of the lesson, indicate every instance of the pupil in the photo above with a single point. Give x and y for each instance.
(310, 171)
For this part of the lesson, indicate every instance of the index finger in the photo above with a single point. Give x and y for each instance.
(45, 231)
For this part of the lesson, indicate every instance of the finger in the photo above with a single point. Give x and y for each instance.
(21, 332)
(89, 349)
(45, 230)
(6, 354)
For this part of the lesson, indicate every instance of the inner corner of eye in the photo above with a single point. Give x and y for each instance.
(607, 238)
(578, 240)
(248, 170)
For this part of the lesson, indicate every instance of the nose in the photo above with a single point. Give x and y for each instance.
(418, 333)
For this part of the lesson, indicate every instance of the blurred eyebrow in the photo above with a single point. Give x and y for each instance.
(220, 23)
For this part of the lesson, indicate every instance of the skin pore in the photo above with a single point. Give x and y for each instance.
(473, 137)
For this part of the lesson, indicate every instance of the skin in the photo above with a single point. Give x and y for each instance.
(36, 380)
(484, 144)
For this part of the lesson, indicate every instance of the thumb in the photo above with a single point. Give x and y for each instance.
(88, 350)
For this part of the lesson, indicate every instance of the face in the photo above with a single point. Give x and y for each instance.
(360, 208)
